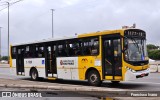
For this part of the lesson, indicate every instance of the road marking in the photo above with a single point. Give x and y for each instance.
(5, 74)
(142, 82)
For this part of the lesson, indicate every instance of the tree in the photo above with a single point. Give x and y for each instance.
(151, 47)
(4, 58)
(153, 52)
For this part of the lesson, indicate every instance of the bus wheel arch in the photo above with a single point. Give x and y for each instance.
(34, 73)
(93, 77)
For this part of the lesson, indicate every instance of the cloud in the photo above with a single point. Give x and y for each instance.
(30, 20)
(36, 3)
(70, 2)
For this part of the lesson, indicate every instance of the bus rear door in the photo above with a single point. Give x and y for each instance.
(50, 59)
(20, 61)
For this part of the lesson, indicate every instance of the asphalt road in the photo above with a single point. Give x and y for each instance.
(49, 95)
(150, 83)
(59, 95)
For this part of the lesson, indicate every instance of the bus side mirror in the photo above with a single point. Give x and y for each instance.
(125, 46)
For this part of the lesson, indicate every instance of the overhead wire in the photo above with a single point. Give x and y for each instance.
(3, 9)
(16, 2)
(3, 4)
(10, 4)
(38, 16)
(5, 1)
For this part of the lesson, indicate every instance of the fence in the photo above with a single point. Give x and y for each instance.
(154, 66)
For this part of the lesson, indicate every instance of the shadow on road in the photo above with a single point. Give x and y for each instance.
(123, 85)
(106, 84)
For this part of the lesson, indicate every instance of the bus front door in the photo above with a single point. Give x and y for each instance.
(112, 57)
(20, 61)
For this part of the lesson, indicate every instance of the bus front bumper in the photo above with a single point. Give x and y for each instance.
(134, 75)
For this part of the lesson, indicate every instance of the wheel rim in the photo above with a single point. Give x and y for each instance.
(34, 75)
(93, 78)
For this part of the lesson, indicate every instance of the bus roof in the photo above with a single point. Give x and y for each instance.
(78, 36)
(45, 40)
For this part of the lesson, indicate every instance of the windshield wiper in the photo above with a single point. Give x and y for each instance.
(135, 43)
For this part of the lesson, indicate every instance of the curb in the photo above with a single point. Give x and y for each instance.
(153, 68)
(62, 88)
(82, 90)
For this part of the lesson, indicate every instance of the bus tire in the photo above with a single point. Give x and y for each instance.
(34, 74)
(94, 78)
(115, 82)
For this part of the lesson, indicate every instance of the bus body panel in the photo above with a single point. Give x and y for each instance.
(13, 61)
(87, 62)
(67, 68)
(130, 76)
(119, 78)
(130, 72)
(38, 63)
(34, 62)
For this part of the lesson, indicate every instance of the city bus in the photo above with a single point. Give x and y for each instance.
(111, 55)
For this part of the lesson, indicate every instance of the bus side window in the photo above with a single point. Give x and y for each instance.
(74, 47)
(54, 51)
(91, 46)
(70, 50)
(39, 52)
(27, 52)
(62, 51)
(94, 46)
(59, 50)
(13, 52)
(87, 50)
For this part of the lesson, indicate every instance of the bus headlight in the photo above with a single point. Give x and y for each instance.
(133, 71)
(130, 69)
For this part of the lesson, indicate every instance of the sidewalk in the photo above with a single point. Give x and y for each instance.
(93, 91)
(4, 65)
(10, 83)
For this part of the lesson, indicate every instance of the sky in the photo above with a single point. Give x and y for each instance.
(31, 20)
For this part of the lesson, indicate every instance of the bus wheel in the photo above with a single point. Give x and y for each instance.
(34, 74)
(94, 78)
(115, 82)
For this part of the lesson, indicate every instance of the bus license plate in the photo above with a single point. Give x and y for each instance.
(142, 74)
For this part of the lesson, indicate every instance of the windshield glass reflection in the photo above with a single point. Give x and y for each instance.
(136, 50)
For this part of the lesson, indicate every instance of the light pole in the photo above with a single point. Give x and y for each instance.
(0, 41)
(52, 23)
(8, 31)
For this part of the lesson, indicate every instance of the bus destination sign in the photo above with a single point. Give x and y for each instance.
(135, 33)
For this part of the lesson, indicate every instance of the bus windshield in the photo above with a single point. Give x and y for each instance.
(136, 49)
